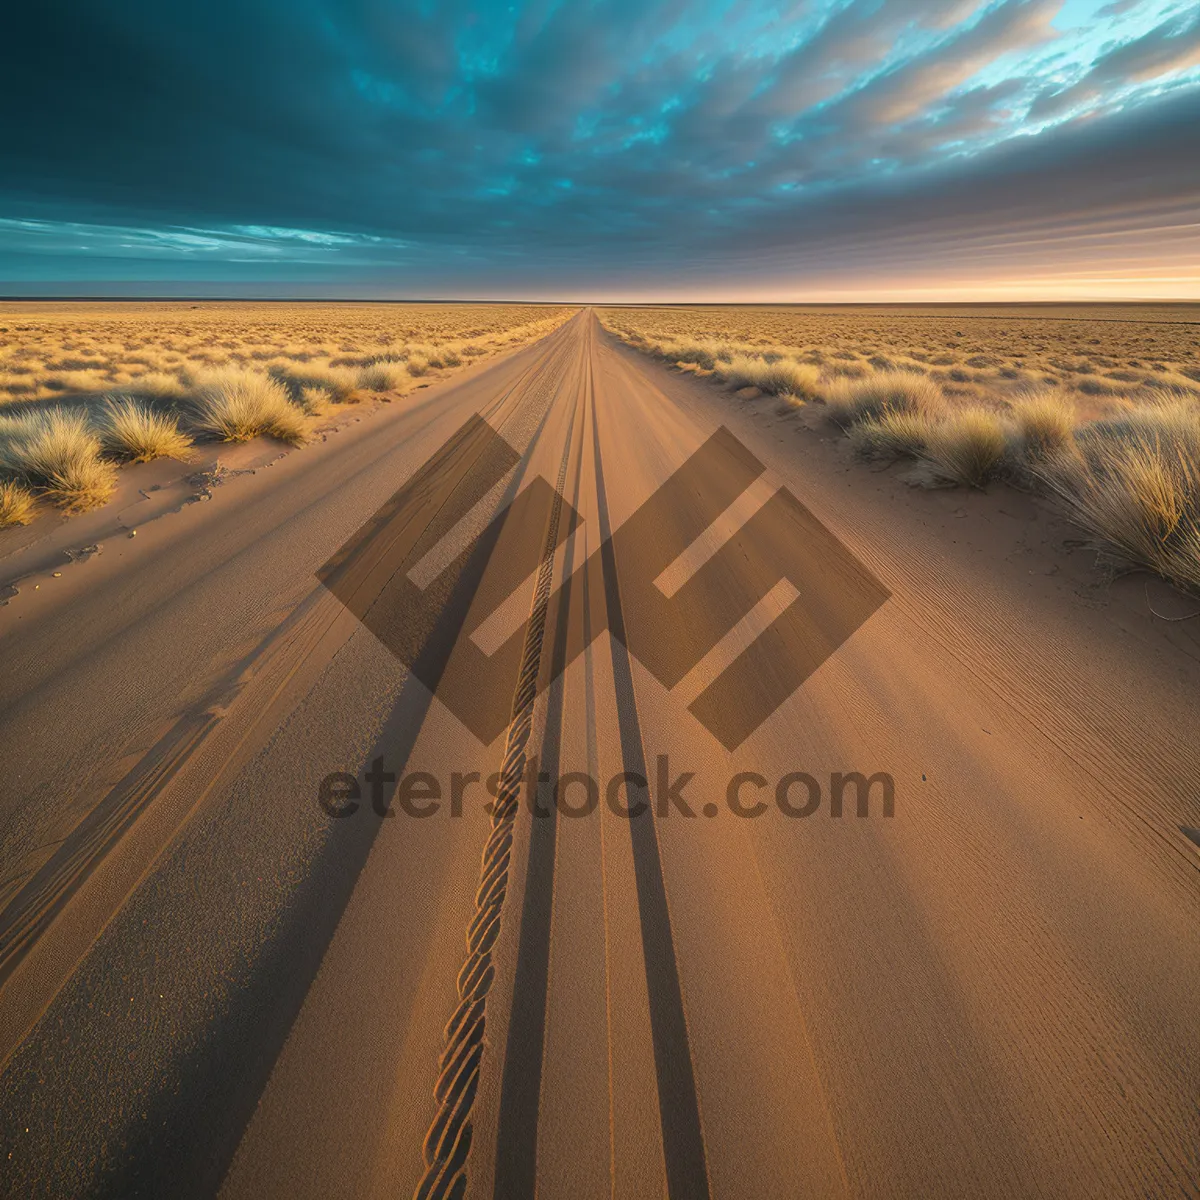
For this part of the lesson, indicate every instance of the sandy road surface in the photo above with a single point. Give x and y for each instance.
(210, 985)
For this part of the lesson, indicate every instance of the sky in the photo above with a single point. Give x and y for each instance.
(821, 150)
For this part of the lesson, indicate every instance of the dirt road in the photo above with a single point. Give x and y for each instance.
(211, 984)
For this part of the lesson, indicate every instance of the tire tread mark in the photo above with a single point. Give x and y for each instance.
(678, 1103)
(448, 1141)
(521, 1079)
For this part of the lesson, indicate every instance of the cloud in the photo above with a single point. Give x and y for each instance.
(969, 116)
(468, 142)
(1172, 46)
(907, 90)
(1057, 185)
(852, 39)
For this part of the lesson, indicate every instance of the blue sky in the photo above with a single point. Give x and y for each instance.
(826, 149)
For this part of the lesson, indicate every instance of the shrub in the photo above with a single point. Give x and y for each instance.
(239, 404)
(135, 432)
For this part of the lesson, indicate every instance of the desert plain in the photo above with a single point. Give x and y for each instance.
(936, 563)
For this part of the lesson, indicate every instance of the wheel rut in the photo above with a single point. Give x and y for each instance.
(448, 1141)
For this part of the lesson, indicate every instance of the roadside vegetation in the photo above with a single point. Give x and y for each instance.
(132, 431)
(88, 387)
(56, 453)
(16, 505)
(235, 405)
(1108, 429)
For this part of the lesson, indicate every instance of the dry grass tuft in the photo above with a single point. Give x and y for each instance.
(137, 433)
(703, 353)
(1045, 422)
(157, 385)
(892, 435)
(314, 402)
(1162, 412)
(782, 377)
(16, 504)
(852, 400)
(383, 376)
(741, 371)
(81, 485)
(791, 378)
(1134, 484)
(966, 446)
(56, 452)
(338, 382)
(238, 404)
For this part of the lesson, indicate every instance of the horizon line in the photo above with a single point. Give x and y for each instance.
(178, 298)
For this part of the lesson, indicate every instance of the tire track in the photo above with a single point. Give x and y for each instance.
(448, 1142)
(520, 1086)
(678, 1103)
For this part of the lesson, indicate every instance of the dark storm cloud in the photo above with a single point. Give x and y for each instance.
(390, 144)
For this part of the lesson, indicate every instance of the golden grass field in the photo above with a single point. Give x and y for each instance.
(1098, 405)
(85, 386)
